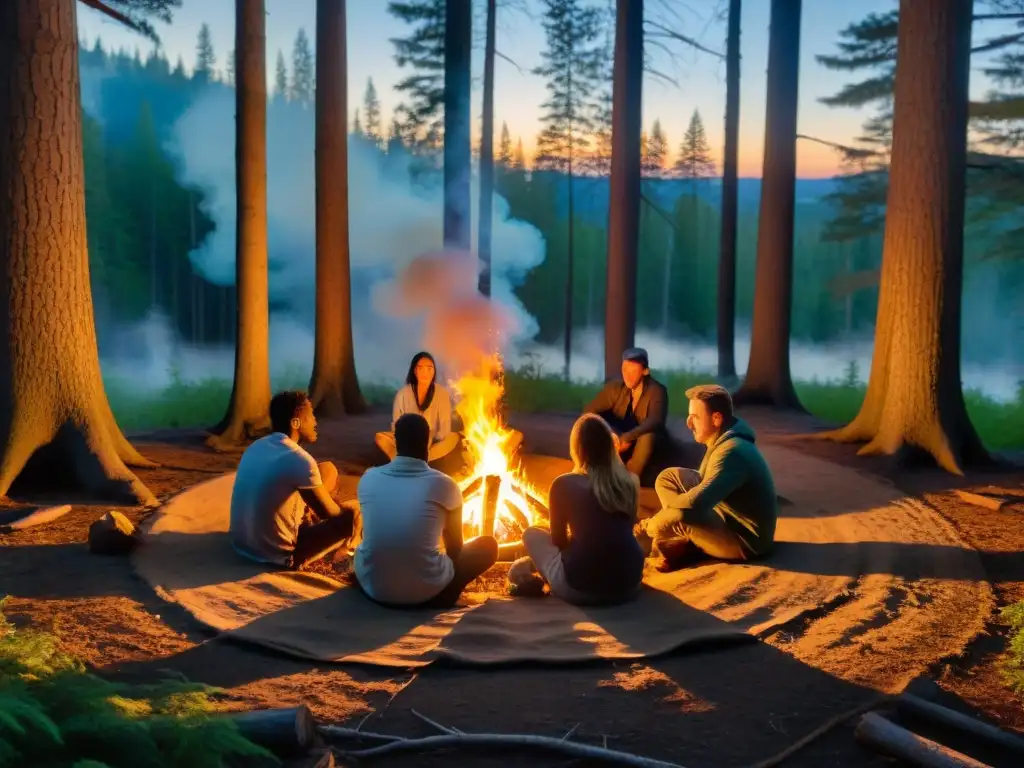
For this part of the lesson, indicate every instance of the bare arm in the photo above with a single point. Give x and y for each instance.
(559, 519)
(452, 533)
(320, 501)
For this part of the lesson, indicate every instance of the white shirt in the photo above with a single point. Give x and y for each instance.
(266, 508)
(438, 414)
(404, 506)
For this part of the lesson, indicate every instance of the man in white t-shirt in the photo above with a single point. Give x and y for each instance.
(407, 509)
(276, 482)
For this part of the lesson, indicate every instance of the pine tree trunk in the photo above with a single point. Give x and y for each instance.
(914, 405)
(569, 276)
(458, 53)
(727, 245)
(486, 208)
(54, 407)
(666, 290)
(768, 380)
(624, 186)
(248, 413)
(334, 388)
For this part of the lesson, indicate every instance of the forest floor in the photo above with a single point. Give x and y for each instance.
(713, 708)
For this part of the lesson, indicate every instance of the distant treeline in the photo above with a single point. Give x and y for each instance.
(142, 224)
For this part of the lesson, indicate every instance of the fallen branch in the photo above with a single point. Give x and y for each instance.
(952, 724)
(888, 738)
(478, 740)
(340, 732)
(19, 521)
(980, 500)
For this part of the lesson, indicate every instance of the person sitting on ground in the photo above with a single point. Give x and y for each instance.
(728, 508)
(408, 508)
(423, 395)
(636, 408)
(277, 482)
(590, 556)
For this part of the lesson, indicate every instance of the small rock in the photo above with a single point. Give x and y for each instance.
(112, 534)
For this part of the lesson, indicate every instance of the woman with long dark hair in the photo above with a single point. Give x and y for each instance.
(423, 395)
(590, 555)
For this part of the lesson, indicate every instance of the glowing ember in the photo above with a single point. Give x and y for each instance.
(494, 471)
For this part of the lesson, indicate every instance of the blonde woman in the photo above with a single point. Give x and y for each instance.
(590, 555)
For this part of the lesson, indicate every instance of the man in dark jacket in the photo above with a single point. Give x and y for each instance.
(636, 407)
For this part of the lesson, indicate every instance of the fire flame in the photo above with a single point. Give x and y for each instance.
(491, 448)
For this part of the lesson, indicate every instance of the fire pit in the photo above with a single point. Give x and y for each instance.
(497, 498)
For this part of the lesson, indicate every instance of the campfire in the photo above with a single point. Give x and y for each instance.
(497, 498)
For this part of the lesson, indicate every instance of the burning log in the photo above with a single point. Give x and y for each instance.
(536, 506)
(472, 488)
(518, 515)
(492, 488)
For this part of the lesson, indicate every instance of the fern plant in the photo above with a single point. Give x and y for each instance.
(54, 712)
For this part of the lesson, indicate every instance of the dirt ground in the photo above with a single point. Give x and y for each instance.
(733, 707)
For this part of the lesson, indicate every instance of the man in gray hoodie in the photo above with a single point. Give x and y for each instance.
(728, 508)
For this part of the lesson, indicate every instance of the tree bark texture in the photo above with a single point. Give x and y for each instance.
(768, 380)
(249, 410)
(458, 53)
(334, 388)
(55, 419)
(914, 404)
(726, 305)
(624, 191)
(486, 208)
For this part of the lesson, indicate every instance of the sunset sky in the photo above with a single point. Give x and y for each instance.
(700, 78)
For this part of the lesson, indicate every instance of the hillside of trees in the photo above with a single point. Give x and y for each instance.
(142, 223)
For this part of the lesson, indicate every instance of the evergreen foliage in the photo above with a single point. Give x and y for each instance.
(54, 712)
(302, 84)
(421, 115)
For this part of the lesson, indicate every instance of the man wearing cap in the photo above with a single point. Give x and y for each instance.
(636, 407)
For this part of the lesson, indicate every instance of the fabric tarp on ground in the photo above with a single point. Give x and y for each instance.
(835, 569)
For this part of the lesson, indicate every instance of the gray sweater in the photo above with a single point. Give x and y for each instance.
(438, 414)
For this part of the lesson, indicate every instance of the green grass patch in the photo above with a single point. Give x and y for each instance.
(54, 712)
(530, 389)
(1013, 669)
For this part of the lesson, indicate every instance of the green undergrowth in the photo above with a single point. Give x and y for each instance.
(1013, 668)
(532, 390)
(53, 712)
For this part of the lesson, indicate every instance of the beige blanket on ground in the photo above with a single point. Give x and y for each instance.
(853, 556)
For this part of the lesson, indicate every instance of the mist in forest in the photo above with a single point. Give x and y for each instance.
(394, 222)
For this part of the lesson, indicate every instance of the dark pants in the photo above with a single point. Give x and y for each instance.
(318, 538)
(648, 455)
(476, 557)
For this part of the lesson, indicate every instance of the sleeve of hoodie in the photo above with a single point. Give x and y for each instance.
(605, 399)
(724, 473)
(657, 413)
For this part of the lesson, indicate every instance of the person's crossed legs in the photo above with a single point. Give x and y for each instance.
(476, 557)
(316, 540)
(707, 531)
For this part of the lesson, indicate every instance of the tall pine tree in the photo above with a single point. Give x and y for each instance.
(206, 59)
(281, 78)
(572, 66)
(694, 160)
(422, 51)
(302, 70)
(371, 112)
